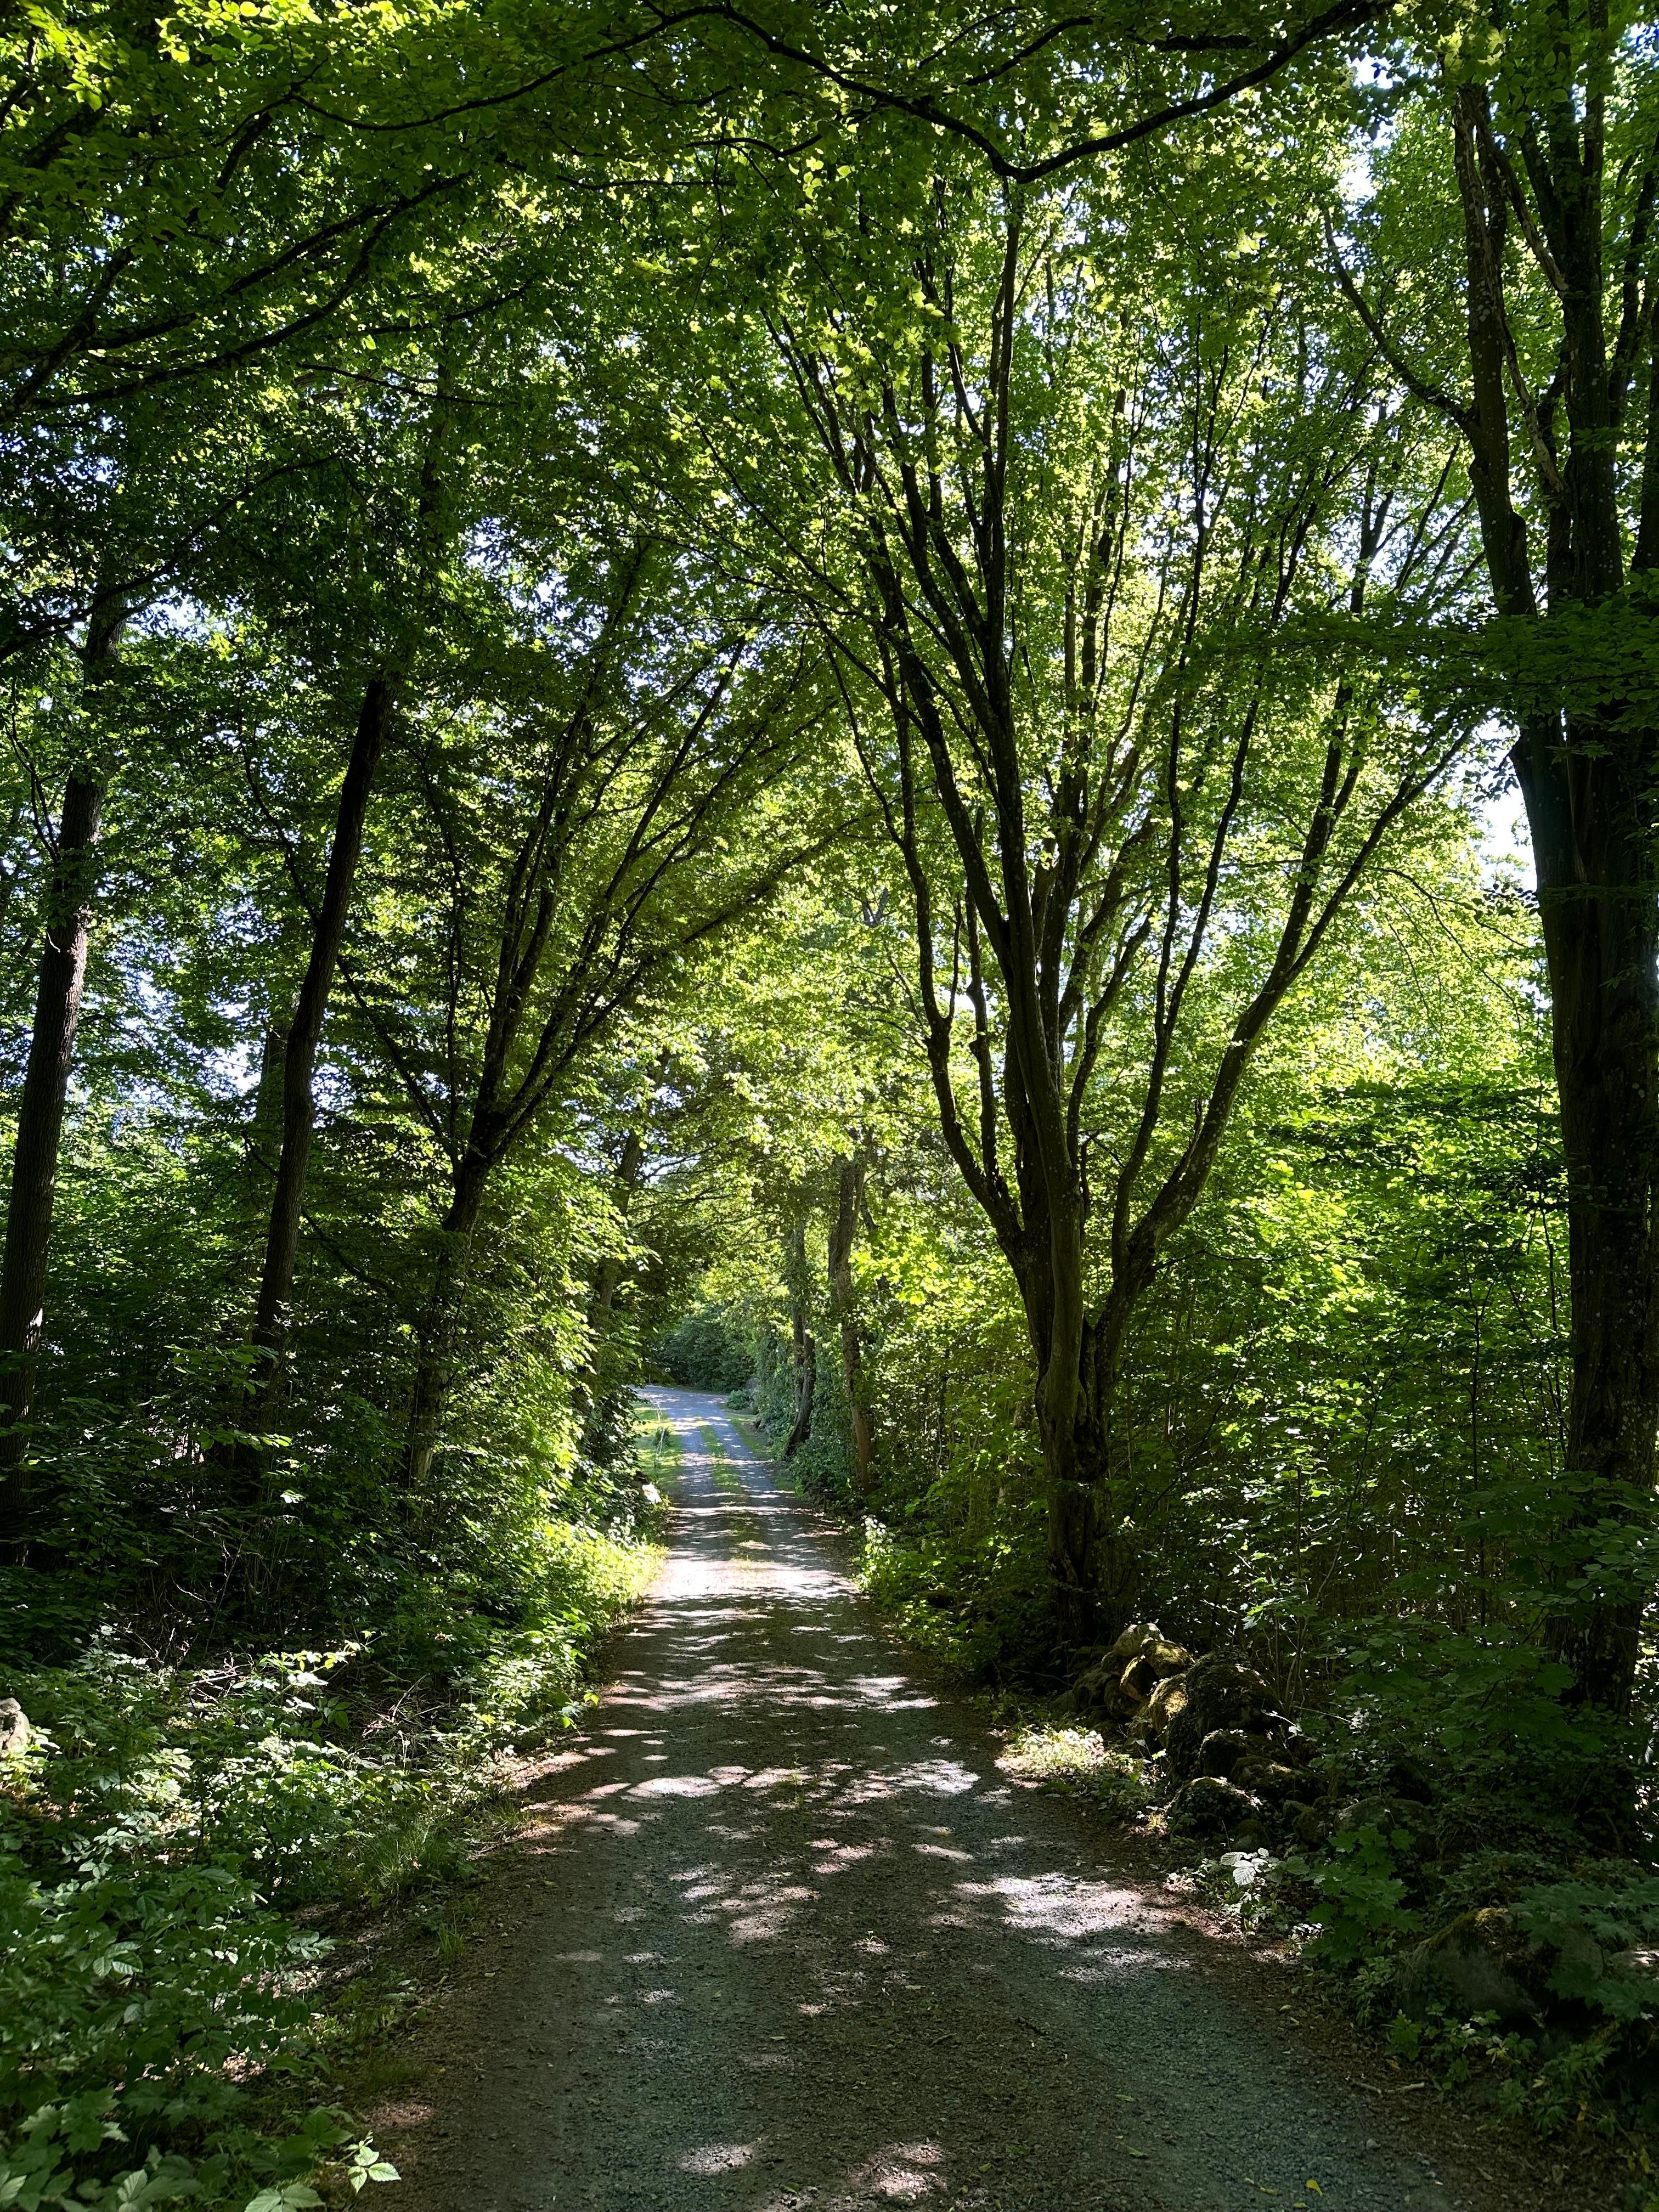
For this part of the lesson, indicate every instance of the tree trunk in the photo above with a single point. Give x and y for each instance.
(66, 924)
(805, 1351)
(273, 1315)
(807, 1383)
(1594, 861)
(848, 1196)
(1587, 778)
(602, 1296)
(436, 1337)
(1049, 1266)
(264, 1128)
(1092, 1561)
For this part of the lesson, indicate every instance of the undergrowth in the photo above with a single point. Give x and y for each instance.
(1078, 1762)
(172, 1836)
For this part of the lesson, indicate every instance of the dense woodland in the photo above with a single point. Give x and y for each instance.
(948, 717)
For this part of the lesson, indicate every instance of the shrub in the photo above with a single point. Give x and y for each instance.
(159, 2009)
(708, 1350)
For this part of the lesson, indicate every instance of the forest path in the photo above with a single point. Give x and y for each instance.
(790, 1940)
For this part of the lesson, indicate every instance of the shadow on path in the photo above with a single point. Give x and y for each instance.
(800, 1944)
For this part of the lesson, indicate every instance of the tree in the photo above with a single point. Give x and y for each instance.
(1064, 531)
(1523, 169)
(64, 925)
(623, 816)
(427, 536)
(850, 1174)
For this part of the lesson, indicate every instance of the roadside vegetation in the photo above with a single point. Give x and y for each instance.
(180, 1847)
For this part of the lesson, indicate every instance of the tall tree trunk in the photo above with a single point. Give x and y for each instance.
(1588, 780)
(805, 1350)
(1052, 1286)
(849, 1195)
(1092, 1561)
(1593, 854)
(273, 1315)
(607, 1276)
(436, 1336)
(66, 924)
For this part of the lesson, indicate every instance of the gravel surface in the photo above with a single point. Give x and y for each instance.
(792, 1940)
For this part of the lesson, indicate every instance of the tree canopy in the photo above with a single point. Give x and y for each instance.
(814, 700)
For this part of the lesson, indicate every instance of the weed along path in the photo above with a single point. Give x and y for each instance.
(787, 1938)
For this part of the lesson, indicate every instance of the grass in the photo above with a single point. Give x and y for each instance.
(657, 1446)
(1076, 1762)
(721, 1472)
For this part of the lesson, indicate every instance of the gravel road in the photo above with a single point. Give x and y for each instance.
(791, 1939)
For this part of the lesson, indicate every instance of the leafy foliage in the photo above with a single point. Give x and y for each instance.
(939, 614)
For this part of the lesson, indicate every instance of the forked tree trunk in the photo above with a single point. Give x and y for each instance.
(67, 910)
(273, 1315)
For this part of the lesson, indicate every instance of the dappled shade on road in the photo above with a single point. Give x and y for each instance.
(800, 1944)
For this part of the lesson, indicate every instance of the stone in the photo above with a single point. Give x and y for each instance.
(1269, 1779)
(1139, 1679)
(1117, 1703)
(1166, 1701)
(1099, 1690)
(14, 1732)
(1146, 1640)
(1227, 1692)
(1223, 1692)
(1481, 1963)
(1222, 1750)
(1207, 1806)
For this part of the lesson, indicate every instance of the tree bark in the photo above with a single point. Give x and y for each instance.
(849, 1193)
(1594, 870)
(273, 1315)
(805, 1350)
(1587, 776)
(436, 1336)
(602, 1296)
(66, 926)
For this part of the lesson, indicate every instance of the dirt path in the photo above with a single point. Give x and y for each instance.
(792, 1940)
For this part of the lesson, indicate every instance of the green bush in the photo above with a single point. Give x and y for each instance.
(160, 2020)
(708, 1350)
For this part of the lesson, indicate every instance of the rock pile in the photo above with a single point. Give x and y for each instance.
(1122, 1683)
(14, 1728)
(1240, 1761)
